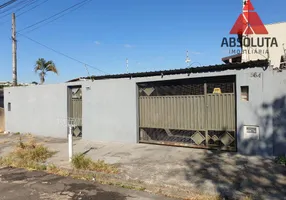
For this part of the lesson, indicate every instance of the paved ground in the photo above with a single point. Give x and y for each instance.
(19, 184)
(198, 171)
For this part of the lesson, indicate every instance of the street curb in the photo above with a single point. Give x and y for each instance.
(119, 179)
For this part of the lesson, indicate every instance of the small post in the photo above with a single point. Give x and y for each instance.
(70, 144)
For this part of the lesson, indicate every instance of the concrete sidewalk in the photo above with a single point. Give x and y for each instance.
(180, 169)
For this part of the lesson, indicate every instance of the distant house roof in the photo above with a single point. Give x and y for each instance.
(232, 59)
(4, 83)
(211, 68)
(275, 23)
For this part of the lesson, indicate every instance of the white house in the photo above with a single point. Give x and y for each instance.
(259, 47)
(275, 50)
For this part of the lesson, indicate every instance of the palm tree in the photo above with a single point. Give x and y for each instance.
(43, 67)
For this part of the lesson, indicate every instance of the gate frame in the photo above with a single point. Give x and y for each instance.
(233, 76)
(69, 100)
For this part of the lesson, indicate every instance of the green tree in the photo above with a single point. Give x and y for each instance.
(43, 66)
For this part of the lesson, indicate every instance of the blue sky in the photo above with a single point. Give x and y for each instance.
(152, 34)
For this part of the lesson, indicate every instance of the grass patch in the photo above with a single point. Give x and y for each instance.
(32, 151)
(29, 165)
(81, 162)
(205, 197)
(27, 155)
(91, 177)
(86, 177)
(281, 160)
(123, 185)
(52, 169)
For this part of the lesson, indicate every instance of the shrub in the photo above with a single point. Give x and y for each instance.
(32, 151)
(80, 161)
(27, 155)
(281, 160)
(55, 170)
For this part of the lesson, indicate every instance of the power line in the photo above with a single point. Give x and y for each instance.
(27, 3)
(24, 12)
(39, 22)
(58, 17)
(65, 55)
(13, 6)
(32, 8)
(7, 3)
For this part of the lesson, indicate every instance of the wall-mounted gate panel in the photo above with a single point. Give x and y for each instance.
(194, 112)
(75, 108)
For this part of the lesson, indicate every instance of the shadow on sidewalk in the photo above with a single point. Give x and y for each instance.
(235, 175)
(238, 177)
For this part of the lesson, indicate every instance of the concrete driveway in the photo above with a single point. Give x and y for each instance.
(178, 171)
(184, 169)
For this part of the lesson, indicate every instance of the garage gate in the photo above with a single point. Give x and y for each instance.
(192, 113)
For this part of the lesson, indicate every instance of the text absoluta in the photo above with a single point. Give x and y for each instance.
(250, 42)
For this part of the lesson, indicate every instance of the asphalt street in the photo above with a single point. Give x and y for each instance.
(19, 184)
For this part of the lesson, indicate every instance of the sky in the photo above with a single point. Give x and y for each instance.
(152, 34)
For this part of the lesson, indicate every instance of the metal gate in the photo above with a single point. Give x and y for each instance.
(194, 112)
(75, 109)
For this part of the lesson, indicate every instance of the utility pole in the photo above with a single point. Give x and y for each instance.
(14, 50)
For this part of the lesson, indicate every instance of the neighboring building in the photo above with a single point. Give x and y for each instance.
(5, 83)
(237, 58)
(2, 116)
(1, 98)
(236, 107)
(276, 55)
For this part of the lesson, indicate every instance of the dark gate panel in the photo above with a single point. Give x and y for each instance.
(75, 109)
(194, 112)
